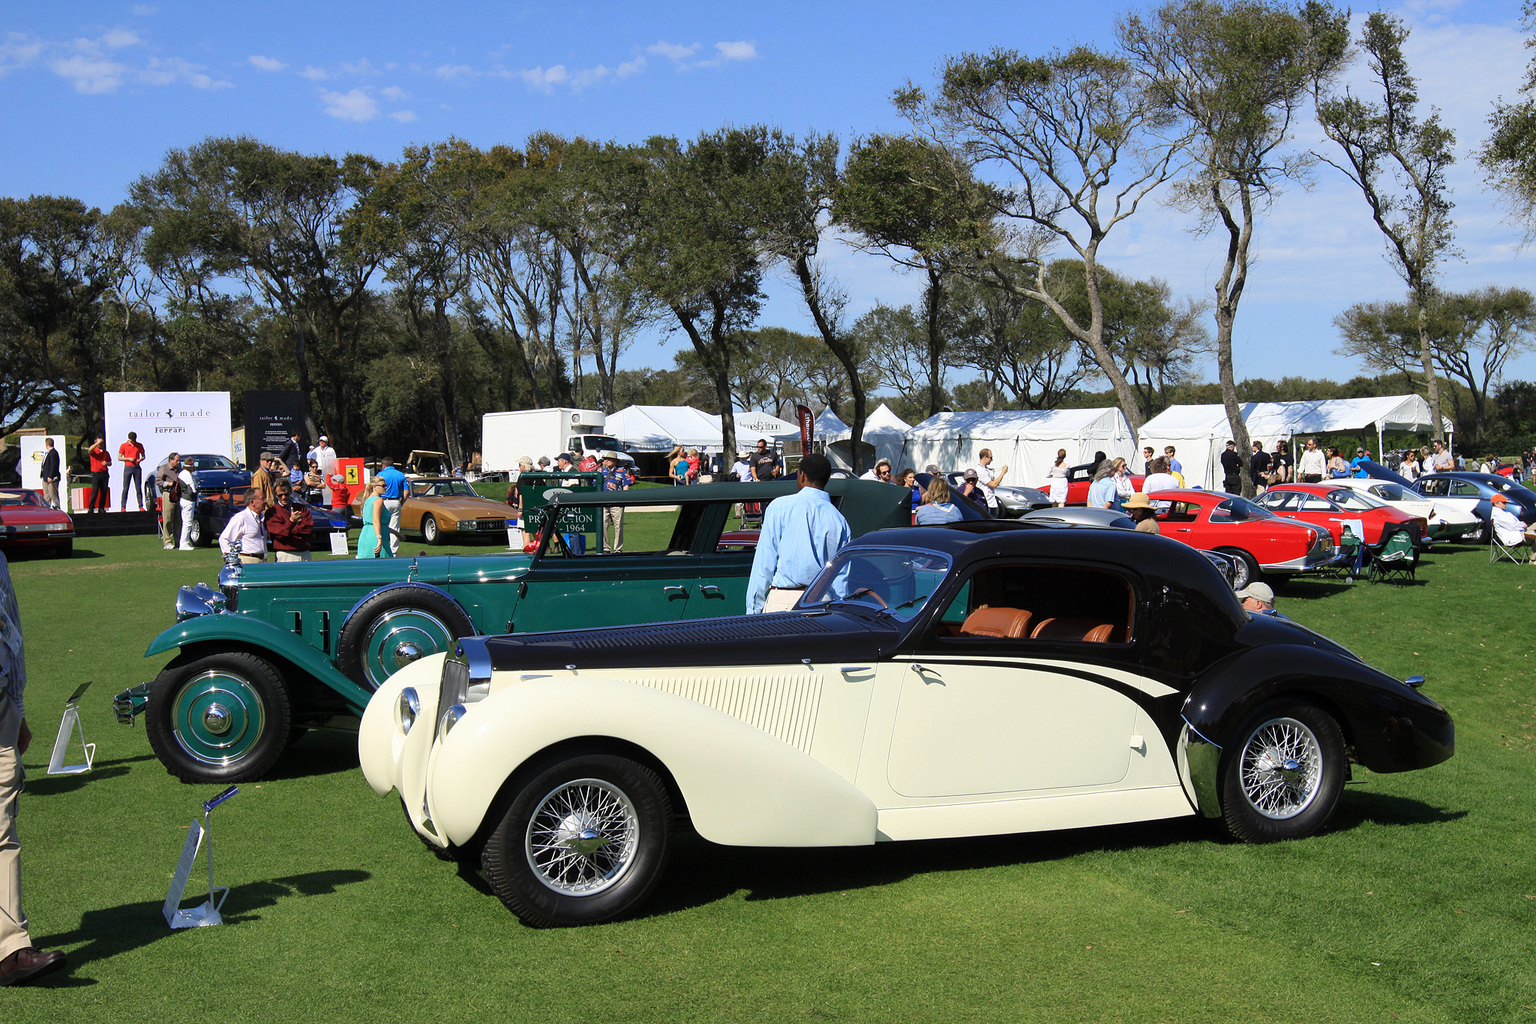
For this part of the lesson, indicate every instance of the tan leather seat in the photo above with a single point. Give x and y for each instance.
(1008, 623)
(1064, 628)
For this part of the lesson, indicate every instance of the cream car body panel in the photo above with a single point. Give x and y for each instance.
(721, 764)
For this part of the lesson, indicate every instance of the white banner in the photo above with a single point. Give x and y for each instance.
(31, 465)
(188, 422)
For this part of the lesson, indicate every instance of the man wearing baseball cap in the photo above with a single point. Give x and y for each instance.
(1259, 599)
(1512, 533)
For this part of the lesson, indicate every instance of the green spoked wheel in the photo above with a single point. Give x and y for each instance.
(218, 718)
(395, 627)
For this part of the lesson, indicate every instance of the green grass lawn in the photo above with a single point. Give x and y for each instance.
(1417, 904)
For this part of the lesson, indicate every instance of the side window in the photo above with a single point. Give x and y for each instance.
(1278, 501)
(1465, 489)
(1030, 605)
(1312, 503)
(1432, 486)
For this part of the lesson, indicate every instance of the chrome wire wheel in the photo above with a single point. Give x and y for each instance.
(582, 837)
(1282, 768)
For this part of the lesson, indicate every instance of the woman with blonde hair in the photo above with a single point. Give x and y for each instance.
(1056, 479)
(372, 542)
(937, 508)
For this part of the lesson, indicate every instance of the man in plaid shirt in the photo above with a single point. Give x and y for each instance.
(19, 961)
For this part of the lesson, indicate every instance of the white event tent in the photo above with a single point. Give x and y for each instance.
(829, 426)
(1024, 440)
(1199, 433)
(660, 428)
(884, 437)
(755, 424)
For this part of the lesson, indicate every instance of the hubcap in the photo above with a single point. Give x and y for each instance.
(219, 717)
(406, 652)
(582, 837)
(400, 637)
(1282, 768)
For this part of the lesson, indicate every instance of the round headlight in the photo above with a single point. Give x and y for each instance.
(408, 707)
(451, 717)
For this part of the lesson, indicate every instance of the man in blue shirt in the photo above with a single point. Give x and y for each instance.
(616, 477)
(396, 487)
(801, 532)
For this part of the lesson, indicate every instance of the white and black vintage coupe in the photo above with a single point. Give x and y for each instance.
(974, 679)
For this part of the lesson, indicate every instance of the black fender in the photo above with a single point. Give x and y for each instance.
(1388, 725)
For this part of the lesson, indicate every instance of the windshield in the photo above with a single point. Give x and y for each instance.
(1237, 510)
(1356, 500)
(1394, 492)
(898, 580)
(443, 489)
(30, 498)
(206, 462)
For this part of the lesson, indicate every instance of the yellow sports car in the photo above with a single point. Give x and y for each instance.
(441, 506)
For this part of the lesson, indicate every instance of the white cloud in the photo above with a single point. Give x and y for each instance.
(673, 51)
(91, 76)
(362, 69)
(545, 78)
(18, 50)
(266, 63)
(353, 105)
(630, 67)
(404, 116)
(394, 92)
(165, 71)
(454, 72)
(736, 51)
(118, 38)
(314, 74)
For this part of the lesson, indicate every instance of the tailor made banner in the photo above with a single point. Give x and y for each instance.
(30, 465)
(271, 418)
(189, 422)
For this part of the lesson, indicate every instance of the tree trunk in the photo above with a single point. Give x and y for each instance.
(1431, 379)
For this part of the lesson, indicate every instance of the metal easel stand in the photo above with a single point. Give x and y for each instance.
(69, 725)
(208, 913)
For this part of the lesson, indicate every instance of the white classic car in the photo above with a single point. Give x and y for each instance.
(973, 679)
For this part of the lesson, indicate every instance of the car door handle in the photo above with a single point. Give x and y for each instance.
(675, 589)
(849, 670)
(1182, 529)
(710, 590)
(928, 675)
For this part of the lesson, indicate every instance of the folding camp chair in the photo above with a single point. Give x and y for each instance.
(1498, 551)
(1398, 557)
(1352, 558)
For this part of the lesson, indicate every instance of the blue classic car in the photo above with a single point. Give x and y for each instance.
(215, 507)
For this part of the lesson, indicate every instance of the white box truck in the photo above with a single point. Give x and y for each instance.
(508, 436)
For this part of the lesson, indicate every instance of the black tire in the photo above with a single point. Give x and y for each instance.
(1247, 569)
(531, 860)
(1282, 775)
(197, 536)
(219, 718)
(430, 531)
(373, 644)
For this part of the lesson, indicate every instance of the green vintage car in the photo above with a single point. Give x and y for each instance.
(280, 648)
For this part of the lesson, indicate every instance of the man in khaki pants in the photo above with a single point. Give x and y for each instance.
(19, 961)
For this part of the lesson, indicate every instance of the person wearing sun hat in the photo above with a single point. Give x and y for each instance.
(1139, 507)
(1512, 533)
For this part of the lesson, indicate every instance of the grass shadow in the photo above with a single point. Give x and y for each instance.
(112, 931)
(53, 785)
(1359, 807)
(702, 872)
(318, 752)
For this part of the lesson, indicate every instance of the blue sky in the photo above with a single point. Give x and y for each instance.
(96, 93)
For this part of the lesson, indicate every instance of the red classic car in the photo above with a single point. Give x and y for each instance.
(1264, 543)
(26, 522)
(1079, 479)
(1331, 506)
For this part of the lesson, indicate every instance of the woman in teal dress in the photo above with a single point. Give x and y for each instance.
(370, 543)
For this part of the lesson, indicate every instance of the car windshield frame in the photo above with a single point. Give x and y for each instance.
(219, 462)
(833, 587)
(21, 499)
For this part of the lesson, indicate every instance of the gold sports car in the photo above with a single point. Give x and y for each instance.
(441, 506)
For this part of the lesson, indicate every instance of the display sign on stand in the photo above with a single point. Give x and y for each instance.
(69, 726)
(208, 913)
